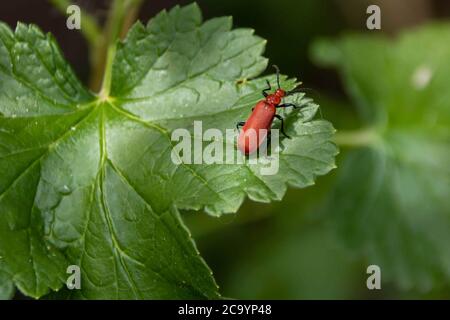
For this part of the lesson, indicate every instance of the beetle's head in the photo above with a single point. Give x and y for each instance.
(280, 93)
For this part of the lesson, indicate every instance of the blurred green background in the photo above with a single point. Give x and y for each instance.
(386, 204)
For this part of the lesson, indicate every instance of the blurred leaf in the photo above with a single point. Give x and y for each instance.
(305, 264)
(392, 198)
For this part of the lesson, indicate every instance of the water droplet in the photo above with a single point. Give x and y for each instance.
(73, 128)
(13, 115)
(65, 190)
(422, 77)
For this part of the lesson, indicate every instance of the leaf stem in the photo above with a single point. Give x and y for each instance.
(106, 84)
(132, 10)
(104, 55)
(89, 26)
(121, 16)
(357, 138)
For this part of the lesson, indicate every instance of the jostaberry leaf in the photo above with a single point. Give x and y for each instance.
(88, 180)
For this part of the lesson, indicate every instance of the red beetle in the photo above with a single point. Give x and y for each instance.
(261, 118)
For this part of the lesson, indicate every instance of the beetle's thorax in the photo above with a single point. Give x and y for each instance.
(276, 97)
(273, 99)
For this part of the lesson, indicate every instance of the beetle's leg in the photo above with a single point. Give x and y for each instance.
(264, 92)
(239, 124)
(286, 105)
(282, 125)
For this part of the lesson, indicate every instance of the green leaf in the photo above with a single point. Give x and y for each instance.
(177, 70)
(88, 180)
(58, 188)
(391, 200)
(7, 288)
(38, 91)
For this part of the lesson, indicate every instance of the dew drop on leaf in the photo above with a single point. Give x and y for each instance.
(65, 190)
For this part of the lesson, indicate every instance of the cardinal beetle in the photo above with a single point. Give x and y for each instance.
(262, 117)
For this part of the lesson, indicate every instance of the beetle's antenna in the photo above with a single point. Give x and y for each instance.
(278, 75)
(301, 90)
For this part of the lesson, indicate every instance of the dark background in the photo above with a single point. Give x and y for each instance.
(289, 25)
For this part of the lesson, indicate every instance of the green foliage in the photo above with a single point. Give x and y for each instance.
(6, 287)
(307, 263)
(391, 199)
(88, 180)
